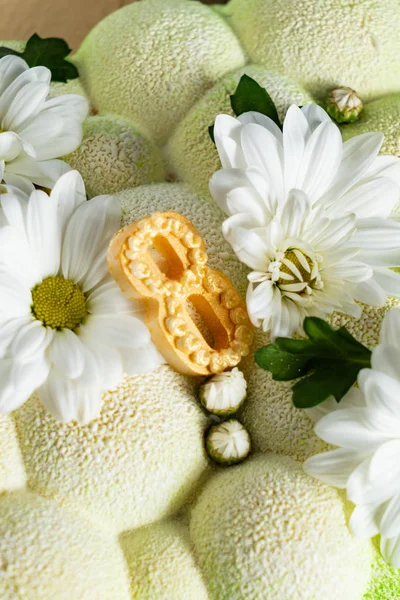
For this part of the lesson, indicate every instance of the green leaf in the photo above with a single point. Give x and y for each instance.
(328, 379)
(283, 365)
(6, 51)
(250, 96)
(329, 362)
(47, 52)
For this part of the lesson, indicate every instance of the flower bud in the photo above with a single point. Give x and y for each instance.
(224, 393)
(228, 442)
(343, 105)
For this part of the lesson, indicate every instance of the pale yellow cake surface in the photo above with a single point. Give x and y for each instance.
(115, 155)
(265, 529)
(324, 44)
(151, 60)
(47, 553)
(135, 464)
(161, 563)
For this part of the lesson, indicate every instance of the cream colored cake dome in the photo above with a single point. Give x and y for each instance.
(125, 502)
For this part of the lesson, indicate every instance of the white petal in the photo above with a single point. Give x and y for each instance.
(294, 212)
(110, 365)
(371, 293)
(20, 380)
(227, 140)
(370, 198)
(390, 548)
(357, 156)
(68, 193)
(67, 353)
(18, 181)
(377, 234)
(67, 400)
(19, 84)
(321, 160)
(141, 360)
(26, 104)
(381, 392)
(334, 467)
(258, 300)
(315, 115)
(117, 331)
(348, 428)
(264, 121)
(354, 271)
(388, 280)
(295, 135)
(11, 67)
(387, 360)
(30, 341)
(390, 328)
(365, 520)
(10, 146)
(15, 299)
(223, 182)
(247, 201)
(390, 523)
(68, 106)
(376, 479)
(249, 246)
(107, 299)
(43, 232)
(9, 330)
(261, 149)
(62, 135)
(92, 224)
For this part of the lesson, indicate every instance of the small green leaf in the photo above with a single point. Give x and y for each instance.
(328, 379)
(47, 52)
(329, 362)
(211, 133)
(6, 51)
(250, 96)
(282, 365)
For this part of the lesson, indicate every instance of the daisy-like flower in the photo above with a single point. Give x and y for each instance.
(365, 426)
(67, 331)
(309, 215)
(34, 130)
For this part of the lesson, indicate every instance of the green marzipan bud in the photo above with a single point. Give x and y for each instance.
(343, 105)
(228, 443)
(224, 393)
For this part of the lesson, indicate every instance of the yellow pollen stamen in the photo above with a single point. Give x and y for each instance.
(58, 303)
(292, 256)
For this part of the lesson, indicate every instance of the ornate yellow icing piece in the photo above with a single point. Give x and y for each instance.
(162, 261)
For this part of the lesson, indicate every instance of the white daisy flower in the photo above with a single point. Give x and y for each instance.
(34, 130)
(309, 215)
(365, 426)
(67, 331)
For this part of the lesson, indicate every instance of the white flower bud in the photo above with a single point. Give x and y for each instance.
(228, 442)
(343, 105)
(223, 394)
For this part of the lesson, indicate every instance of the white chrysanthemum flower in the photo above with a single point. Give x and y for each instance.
(309, 215)
(67, 331)
(365, 426)
(34, 130)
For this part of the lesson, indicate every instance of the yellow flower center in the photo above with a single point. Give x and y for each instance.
(298, 265)
(58, 303)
